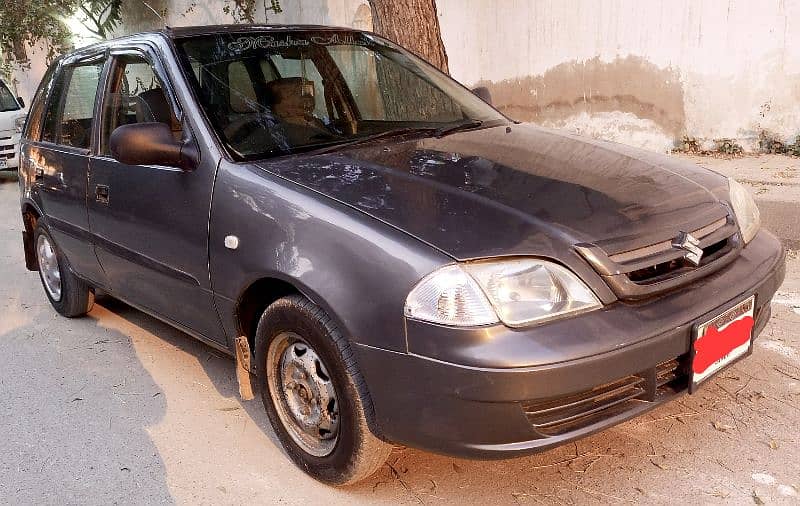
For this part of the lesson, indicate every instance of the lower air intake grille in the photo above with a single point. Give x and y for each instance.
(560, 415)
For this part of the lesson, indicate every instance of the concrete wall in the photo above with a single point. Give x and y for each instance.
(640, 72)
(25, 81)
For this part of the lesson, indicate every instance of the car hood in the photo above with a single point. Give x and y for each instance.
(7, 119)
(515, 190)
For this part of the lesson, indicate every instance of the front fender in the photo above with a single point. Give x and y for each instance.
(357, 268)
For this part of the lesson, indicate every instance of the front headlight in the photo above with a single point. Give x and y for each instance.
(19, 124)
(517, 292)
(745, 209)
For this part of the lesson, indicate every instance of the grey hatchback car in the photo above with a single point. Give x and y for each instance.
(392, 259)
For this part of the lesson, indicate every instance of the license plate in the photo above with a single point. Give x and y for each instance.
(721, 341)
(3, 163)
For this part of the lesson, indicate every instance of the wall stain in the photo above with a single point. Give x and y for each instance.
(630, 84)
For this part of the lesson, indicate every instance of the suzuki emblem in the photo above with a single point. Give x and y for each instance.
(691, 245)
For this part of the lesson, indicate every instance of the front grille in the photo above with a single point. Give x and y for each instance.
(553, 417)
(6, 147)
(660, 267)
(677, 267)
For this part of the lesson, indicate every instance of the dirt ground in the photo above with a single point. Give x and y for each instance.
(118, 408)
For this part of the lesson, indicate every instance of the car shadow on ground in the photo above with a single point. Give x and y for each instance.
(76, 410)
(633, 462)
(218, 367)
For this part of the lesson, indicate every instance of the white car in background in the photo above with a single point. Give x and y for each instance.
(12, 119)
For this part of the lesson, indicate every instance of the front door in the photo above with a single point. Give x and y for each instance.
(150, 223)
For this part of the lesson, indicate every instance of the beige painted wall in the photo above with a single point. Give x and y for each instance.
(639, 71)
(642, 72)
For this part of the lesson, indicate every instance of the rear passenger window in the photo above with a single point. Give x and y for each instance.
(52, 116)
(76, 121)
(70, 111)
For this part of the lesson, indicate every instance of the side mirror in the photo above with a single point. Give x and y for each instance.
(152, 144)
(483, 93)
(21, 102)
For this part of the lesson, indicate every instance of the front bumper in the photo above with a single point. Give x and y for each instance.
(484, 393)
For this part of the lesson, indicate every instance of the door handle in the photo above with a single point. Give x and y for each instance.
(101, 193)
(38, 174)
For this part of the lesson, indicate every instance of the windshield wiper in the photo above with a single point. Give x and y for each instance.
(464, 125)
(369, 138)
(395, 132)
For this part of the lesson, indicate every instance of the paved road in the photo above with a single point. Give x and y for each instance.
(119, 408)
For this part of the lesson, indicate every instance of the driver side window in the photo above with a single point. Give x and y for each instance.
(135, 95)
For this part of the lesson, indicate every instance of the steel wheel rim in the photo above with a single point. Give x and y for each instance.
(48, 267)
(303, 394)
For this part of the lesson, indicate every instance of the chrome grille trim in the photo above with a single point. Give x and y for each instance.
(624, 277)
(653, 249)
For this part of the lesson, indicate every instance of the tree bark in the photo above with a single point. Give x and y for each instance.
(20, 53)
(412, 24)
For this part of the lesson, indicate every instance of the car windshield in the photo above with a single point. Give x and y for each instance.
(7, 100)
(272, 93)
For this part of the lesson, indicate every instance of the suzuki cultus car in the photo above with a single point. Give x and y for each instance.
(392, 258)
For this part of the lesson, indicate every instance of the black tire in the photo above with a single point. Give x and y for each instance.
(357, 453)
(76, 297)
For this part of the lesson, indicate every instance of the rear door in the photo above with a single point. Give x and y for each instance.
(56, 155)
(150, 223)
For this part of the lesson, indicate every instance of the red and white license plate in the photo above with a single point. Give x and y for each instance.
(721, 341)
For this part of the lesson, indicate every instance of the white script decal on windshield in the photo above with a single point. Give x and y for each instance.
(270, 42)
(337, 39)
(265, 42)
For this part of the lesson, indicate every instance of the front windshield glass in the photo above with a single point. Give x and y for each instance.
(272, 93)
(7, 100)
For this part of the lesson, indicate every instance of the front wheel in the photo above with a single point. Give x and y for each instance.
(310, 389)
(68, 294)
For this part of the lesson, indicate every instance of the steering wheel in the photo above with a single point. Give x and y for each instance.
(244, 130)
(318, 130)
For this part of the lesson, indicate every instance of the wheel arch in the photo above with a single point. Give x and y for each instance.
(263, 291)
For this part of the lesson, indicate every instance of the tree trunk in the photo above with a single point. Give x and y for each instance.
(412, 24)
(20, 53)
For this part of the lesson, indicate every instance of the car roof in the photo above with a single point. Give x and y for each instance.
(188, 31)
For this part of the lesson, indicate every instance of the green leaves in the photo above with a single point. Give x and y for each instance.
(25, 23)
(101, 17)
